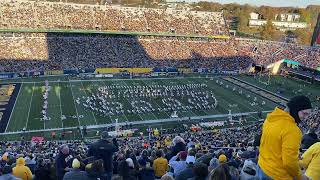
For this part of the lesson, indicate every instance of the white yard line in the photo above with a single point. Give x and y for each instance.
(75, 108)
(154, 101)
(123, 113)
(130, 103)
(239, 102)
(60, 103)
(191, 110)
(251, 94)
(15, 102)
(157, 103)
(222, 99)
(94, 117)
(30, 106)
(44, 121)
(177, 111)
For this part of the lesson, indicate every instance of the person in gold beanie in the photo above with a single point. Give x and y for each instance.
(75, 173)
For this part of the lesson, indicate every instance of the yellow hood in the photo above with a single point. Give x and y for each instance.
(20, 161)
(279, 115)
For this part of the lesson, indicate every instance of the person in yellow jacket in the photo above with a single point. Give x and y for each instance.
(160, 165)
(311, 161)
(156, 132)
(167, 142)
(22, 171)
(280, 141)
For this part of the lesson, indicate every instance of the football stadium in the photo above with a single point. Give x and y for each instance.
(113, 92)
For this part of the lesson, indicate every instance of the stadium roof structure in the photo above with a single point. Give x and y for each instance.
(288, 61)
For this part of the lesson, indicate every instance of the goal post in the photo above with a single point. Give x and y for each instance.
(264, 78)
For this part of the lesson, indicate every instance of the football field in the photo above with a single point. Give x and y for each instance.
(67, 101)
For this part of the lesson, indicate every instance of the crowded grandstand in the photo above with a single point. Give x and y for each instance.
(130, 93)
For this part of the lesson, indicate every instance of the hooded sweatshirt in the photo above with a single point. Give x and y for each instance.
(311, 161)
(279, 148)
(22, 171)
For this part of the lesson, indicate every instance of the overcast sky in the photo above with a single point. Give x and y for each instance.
(294, 3)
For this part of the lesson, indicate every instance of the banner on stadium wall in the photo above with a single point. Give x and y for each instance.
(104, 75)
(4, 76)
(185, 70)
(34, 73)
(118, 70)
(288, 61)
(230, 72)
(37, 139)
(171, 69)
(8, 75)
(213, 124)
(55, 72)
(157, 69)
(88, 71)
(220, 37)
(70, 71)
(166, 69)
(154, 74)
(201, 70)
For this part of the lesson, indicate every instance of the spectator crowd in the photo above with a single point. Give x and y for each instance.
(219, 154)
(267, 52)
(48, 15)
(23, 52)
(58, 51)
(224, 154)
(180, 156)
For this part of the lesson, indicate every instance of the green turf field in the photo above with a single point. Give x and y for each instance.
(64, 112)
(290, 87)
(61, 102)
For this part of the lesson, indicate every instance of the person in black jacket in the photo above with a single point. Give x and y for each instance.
(42, 170)
(146, 172)
(200, 171)
(104, 149)
(309, 139)
(62, 161)
(144, 157)
(126, 170)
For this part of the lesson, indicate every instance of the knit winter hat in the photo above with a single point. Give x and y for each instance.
(130, 162)
(190, 159)
(296, 104)
(222, 158)
(75, 164)
(5, 156)
(183, 154)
